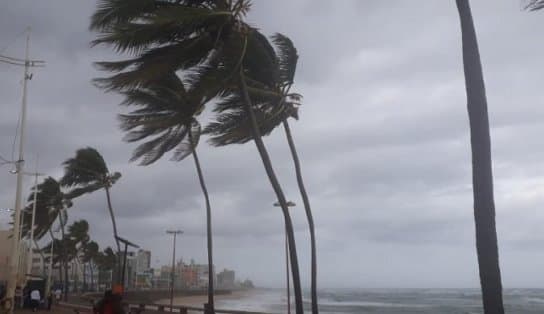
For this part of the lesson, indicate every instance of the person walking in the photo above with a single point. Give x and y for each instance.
(49, 301)
(18, 297)
(35, 299)
(58, 294)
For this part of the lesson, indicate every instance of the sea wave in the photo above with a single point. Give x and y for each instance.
(332, 303)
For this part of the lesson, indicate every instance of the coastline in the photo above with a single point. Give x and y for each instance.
(199, 300)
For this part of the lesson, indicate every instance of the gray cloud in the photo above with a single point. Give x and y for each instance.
(383, 138)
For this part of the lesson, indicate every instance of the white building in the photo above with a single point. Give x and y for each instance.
(5, 252)
(143, 261)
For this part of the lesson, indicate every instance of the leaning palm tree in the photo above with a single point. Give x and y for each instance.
(482, 175)
(50, 205)
(167, 116)
(273, 107)
(87, 172)
(206, 39)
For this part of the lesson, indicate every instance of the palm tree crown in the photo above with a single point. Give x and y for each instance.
(86, 173)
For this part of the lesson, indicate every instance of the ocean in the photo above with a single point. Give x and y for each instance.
(392, 301)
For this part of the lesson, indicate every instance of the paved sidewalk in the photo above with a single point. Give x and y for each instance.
(55, 310)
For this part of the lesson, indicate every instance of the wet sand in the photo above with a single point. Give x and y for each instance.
(199, 300)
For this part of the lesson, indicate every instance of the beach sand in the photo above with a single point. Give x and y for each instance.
(199, 300)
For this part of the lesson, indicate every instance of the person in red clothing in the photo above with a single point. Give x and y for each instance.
(110, 304)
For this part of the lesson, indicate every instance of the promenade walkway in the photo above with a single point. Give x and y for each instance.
(55, 310)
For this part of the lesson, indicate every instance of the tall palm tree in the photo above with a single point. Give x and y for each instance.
(87, 172)
(64, 251)
(482, 175)
(90, 255)
(167, 116)
(208, 40)
(50, 205)
(274, 107)
(78, 233)
(50, 201)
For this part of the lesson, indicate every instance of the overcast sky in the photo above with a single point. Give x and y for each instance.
(383, 138)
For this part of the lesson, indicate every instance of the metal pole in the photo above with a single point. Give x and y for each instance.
(172, 274)
(29, 262)
(124, 267)
(175, 233)
(12, 280)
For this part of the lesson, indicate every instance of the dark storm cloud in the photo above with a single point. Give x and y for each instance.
(383, 138)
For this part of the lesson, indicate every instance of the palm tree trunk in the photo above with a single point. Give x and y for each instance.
(77, 266)
(482, 175)
(279, 193)
(42, 255)
(92, 276)
(58, 249)
(114, 224)
(84, 265)
(211, 307)
(309, 216)
(64, 259)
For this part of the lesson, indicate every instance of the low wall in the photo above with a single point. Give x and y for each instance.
(152, 296)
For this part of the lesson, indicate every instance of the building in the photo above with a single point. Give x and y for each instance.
(5, 252)
(188, 276)
(130, 269)
(144, 280)
(143, 261)
(226, 279)
(195, 275)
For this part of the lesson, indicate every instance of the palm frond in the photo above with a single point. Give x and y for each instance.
(154, 149)
(175, 23)
(260, 61)
(87, 167)
(189, 143)
(287, 58)
(84, 189)
(49, 204)
(111, 12)
(234, 127)
(534, 5)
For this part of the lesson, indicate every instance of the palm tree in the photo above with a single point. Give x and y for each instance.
(166, 114)
(482, 176)
(87, 172)
(106, 262)
(273, 107)
(90, 255)
(50, 205)
(64, 251)
(209, 41)
(78, 233)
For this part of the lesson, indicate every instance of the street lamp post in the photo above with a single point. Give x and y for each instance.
(14, 254)
(36, 175)
(289, 204)
(127, 244)
(174, 233)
